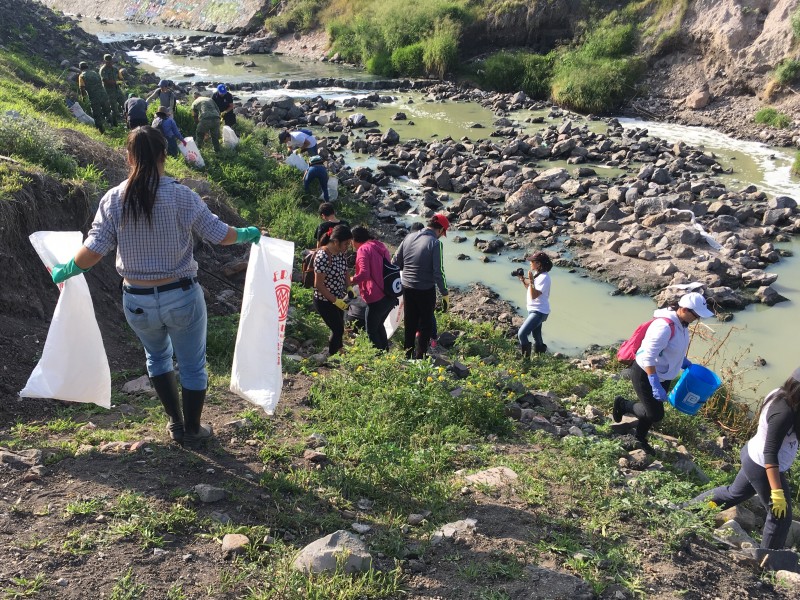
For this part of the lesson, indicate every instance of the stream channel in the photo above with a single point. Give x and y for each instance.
(585, 311)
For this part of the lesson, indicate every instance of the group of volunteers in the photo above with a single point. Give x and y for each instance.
(107, 104)
(150, 219)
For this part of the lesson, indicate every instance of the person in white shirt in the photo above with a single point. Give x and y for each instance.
(537, 293)
(766, 460)
(659, 359)
(299, 141)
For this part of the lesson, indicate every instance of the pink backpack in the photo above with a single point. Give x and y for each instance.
(627, 351)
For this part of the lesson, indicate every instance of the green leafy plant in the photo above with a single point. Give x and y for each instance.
(787, 72)
(773, 118)
(126, 588)
(36, 142)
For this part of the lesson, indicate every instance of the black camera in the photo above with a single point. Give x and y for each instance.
(518, 273)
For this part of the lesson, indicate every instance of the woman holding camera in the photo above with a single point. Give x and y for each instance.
(537, 288)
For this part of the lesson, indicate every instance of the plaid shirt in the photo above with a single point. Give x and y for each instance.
(163, 250)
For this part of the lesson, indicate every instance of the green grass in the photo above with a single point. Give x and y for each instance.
(773, 118)
(787, 72)
(24, 587)
(126, 588)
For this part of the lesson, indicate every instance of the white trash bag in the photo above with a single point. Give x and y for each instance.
(229, 137)
(257, 374)
(394, 319)
(192, 153)
(333, 188)
(297, 161)
(73, 366)
(78, 112)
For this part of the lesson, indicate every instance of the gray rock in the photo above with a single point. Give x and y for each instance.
(551, 179)
(494, 477)
(138, 385)
(21, 458)
(732, 534)
(524, 200)
(451, 530)
(391, 137)
(745, 517)
(322, 555)
(789, 579)
(208, 493)
(234, 543)
(544, 584)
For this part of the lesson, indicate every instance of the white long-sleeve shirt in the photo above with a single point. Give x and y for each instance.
(659, 351)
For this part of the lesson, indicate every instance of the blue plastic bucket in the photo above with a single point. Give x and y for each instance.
(694, 387)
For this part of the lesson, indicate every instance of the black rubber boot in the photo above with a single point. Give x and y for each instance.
(540, 349)
(194, 431)
(166, 388)
(620, 408)
(525, 349)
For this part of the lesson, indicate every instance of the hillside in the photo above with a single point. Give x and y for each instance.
(475, 475)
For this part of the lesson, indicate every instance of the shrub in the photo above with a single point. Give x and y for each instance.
(34, 141)
(796, 169)
(538, 73)
(610, 41)
(408, 60)
(503, 71)
(299, 15)
(441, 49)
(796, 24)
(787, 72)
(380, 64)
(594, 86)
(773, 118)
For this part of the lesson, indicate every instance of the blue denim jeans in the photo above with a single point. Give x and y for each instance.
(532, 326)
(171, 322)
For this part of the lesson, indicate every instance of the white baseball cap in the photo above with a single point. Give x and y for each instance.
(695, 302)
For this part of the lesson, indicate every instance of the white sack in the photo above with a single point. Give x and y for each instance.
(73, 366)
(333, 188)
(192, 153)
(394, 319)
(257, 375)
(297, 161)
(229, 137)
(78, 112)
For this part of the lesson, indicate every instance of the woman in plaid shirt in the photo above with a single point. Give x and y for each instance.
(149, 218)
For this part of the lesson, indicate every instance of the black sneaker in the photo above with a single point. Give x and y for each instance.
(619, 409)
(645, 446)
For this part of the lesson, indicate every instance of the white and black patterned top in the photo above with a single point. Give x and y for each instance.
(160, 251)
(334, 266)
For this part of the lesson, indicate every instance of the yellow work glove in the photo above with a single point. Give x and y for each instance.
(342, 305)
(778, 503)
(445, 303)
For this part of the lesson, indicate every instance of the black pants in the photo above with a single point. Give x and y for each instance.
(376, 315)
(334, 319)
(648, 410)
(418, 317)
(750, 481)
(134, 123)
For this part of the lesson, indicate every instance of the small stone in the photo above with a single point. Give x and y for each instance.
(187, 557)
(62, 582)
(159, 552)
(364, 504)
(234, 543)
(416, 519)
(361, 528)
(208, 493)
(138, 385)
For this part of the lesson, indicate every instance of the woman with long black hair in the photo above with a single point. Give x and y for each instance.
(370, 254)
(766, 459)
(331, 282)
(150, 218)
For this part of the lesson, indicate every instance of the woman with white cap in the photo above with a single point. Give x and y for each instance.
(766, 459)
(659, 359)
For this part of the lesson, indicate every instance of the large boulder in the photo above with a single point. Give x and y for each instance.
(551, 179)
(524, 200)
(322, 555)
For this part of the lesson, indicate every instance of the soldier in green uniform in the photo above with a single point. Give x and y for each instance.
(111, 83)
(89, 83)
(206, 115)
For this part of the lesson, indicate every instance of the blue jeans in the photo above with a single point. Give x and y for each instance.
(167, 322)
(532, 326)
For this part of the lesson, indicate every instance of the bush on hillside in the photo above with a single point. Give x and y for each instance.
(513, 71)
(36, 142)
(594, 86)
(796, 23)
(408, 60)
(610, 40)
(298, 15)
(538, 74)
(380, 63)
(773, 118)
(787, 72)
(440, 51)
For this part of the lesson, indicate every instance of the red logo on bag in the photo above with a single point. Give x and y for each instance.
(283, 291)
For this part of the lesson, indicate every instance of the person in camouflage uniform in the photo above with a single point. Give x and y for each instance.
(90, 84)
(111, 83)
(206, 115)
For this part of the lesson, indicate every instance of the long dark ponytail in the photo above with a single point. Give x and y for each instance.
(146, 149)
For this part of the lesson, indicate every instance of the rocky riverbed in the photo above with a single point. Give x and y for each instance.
(665, 222)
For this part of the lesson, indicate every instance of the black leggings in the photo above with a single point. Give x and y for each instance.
(648, 409)
(376, 315)
(418, 316)
(334, 319)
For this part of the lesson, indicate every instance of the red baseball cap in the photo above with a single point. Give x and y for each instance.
(442, 221)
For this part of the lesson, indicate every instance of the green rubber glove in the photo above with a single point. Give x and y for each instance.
(340, 304)
(61, 272)
(445, 303)
(247, 234)
(778, 503)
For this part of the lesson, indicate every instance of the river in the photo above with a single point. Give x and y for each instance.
(585, 311)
